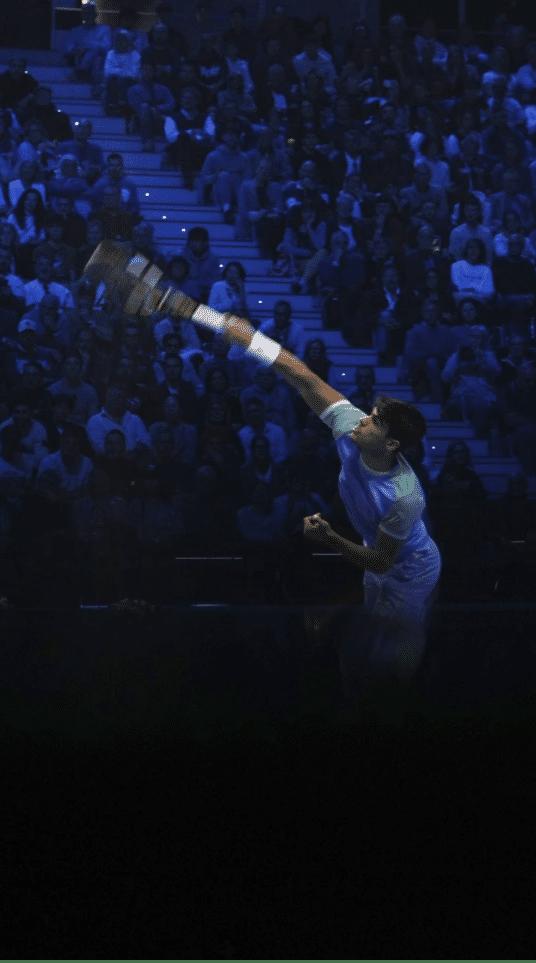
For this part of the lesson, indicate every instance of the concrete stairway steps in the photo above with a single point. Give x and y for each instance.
(177, 213)
(80, 108)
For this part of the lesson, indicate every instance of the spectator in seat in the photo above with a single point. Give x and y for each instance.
(22, 438)
(224, 169)
(164, 57)
(346, 161)
(237, 369)
(175, 384)
(510, 199)
(229, 294)
(390, 166)
(63, 255)
(89, 156)
(188, 135)
(471, 276)
(274, 93)
(260, 210)
(514, 160)
(56, 418)
(512, 355)
(68, 181)
(114, 414)
(29, 178)
(72, 467)
(74, 225)
(13, 294)
(85, 397)
(150, 103)
(239, 34)
(205, 268)
(316, 357)
(184, 435)
(341, 275)
(165, 467)
(261, 468)
(26, 348)
(457, 504)
(54, 329)
(364, 394)
(28, 219)
(312, 460)
(35, 146)
(284, 329)
(16, 85)
(518, 418)
(121, 70)
(515, 279)
(257, 425)
(117, 222)
(220, 447)
(471, 372)
(217, 387)
(87, 46)
(177, 276)
(414, 195)
(511, 225)
(41, 110)
(263, 520)
(115, 177)
(470, 228)
(427, 346)
(388, 309)
(42, 283)
(470, 170)
(276, 398)
(30, 382)
(304, 241)
(313, 59)
(143, 242)
(235, 95)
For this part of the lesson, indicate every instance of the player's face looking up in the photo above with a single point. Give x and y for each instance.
(371, 434)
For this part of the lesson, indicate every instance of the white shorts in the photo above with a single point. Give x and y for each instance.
(405, 593)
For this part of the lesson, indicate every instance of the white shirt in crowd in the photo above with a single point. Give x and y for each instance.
(476, 278)
(122, 64)
(33, 445)
(275, 436)
(16, 188)
(35, 292)
(131, 425)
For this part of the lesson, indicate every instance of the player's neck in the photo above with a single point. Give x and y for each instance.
(380, 463)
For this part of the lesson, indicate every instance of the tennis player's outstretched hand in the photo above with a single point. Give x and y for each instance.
(316, 527)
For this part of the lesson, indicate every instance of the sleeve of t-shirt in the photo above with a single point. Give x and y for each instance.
(401, 518)
(342, 417)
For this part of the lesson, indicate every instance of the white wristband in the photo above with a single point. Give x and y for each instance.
(263, 349)
(209, 318)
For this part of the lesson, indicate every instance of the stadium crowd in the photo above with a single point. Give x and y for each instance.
(392, 181)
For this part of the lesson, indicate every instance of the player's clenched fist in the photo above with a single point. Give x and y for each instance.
(316, 527)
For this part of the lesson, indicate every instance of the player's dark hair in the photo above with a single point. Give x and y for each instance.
(404, 421)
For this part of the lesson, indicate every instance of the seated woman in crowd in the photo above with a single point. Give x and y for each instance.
(471, 276)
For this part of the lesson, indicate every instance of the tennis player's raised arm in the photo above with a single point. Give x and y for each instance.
(315, 392)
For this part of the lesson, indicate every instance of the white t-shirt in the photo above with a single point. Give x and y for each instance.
(131, 425)
(35, 292)
(465, 276)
